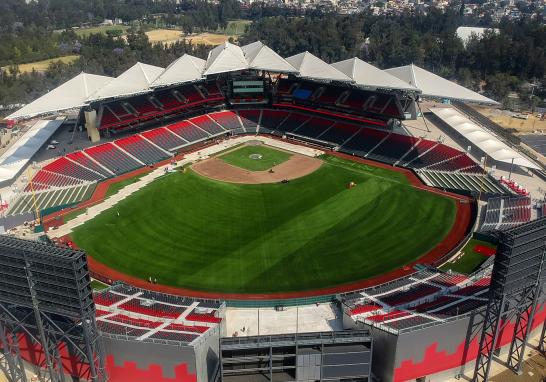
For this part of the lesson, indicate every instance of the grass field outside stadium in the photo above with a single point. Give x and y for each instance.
(192, 232)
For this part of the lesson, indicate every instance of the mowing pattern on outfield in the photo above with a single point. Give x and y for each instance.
(241, 157)
(314, 232)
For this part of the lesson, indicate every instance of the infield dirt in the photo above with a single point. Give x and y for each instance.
(297, 166)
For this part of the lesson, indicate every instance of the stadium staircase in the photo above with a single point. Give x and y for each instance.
(470, 182)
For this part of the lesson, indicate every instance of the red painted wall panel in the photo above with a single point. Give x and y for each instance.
(435, 361)
(130, 372)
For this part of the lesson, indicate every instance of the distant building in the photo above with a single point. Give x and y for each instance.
(464, 33)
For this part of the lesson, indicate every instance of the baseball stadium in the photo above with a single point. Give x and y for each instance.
(252, 218)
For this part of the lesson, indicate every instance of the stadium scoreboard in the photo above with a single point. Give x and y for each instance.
(243, 88)
(40, 275)
(519, 262)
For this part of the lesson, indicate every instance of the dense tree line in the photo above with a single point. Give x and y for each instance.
(39, 30)
(57, 14)
(500, 62)
(497, 63)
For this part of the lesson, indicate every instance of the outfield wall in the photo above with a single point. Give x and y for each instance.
(436, 352)
(136, 361)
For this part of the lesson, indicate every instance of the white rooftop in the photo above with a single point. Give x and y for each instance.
(464, 33)
(185, 69)
(368, 76)
(225, 58)
(435, 86)
(137, 79)
(22, 151)
(262, 57)
(70, 95)
(310, 66)
(481, 138)
(141, 78)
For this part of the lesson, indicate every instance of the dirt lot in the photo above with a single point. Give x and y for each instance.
(504, 118)
(42, 66)
(295, 167)
(166, 36)
(169, 36)
(209, 38)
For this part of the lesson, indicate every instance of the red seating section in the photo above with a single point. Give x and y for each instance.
(112, 158)
(107, 299)
(141, 149)
(82, 159)
(174, 101)
(187, 328)
(393, 148)
(45, 179)
(157, 310)
(209, 317)
(207, 124)
(388, 316)
(66, 167)
(163, 138)
(131, 152)
(314, 127)
(360, 309)
(271, 119)
(134, 321)
(187, 131)
(227, 119)
(250, 119)
(294, 121)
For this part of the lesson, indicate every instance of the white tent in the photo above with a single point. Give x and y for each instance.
(225, 58)
(368, 76)
(262, 57)
(481, 138)
(185, 69)
(310, 66)
(137, 79)
(70, 95)
(435, 86)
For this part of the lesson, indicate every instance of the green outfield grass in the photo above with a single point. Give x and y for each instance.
(470, 260)
(241, 157)
(104, 29)
(313, 232)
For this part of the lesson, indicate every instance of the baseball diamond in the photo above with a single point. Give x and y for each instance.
(312, 232)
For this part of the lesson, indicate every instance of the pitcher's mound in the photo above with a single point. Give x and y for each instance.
(297, 166)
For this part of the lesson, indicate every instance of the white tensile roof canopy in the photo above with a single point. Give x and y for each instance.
(482, 139)
(310, 66)
(142, 78)
(70, 95)
(21, 152)
(225, 58)
(137, 79)
(185, 69)
(435, 86)
(368, 76)
(262, 57)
